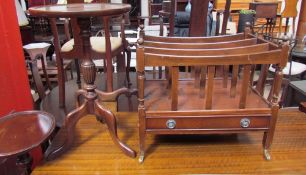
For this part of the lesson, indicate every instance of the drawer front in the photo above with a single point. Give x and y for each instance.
(209, 123)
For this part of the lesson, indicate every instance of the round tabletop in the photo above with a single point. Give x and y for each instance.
(80, 10)
(22, 131)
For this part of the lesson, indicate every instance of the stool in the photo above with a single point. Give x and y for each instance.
(20, 132)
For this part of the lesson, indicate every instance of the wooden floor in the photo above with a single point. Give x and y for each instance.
(94, 152)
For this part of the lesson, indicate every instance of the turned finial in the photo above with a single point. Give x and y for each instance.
(141, 35)
(247, 29)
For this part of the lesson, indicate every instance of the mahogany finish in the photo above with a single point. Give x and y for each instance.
(205, 104)
(89, 10)
(91, 103)
(21, 132)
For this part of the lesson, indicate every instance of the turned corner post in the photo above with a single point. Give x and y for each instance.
(140, 85)
(247, 29)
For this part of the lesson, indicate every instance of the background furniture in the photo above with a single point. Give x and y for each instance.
(39, 50)
(290, 11)
(237, 5)
(72, 50)
(91, 104)
(205, 105)
(199, 19)
(266, 11)
(296, 93)
(20, 133)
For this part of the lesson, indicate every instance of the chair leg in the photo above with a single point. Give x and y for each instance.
(159, 72)
(77, 67)
(71, 74)
(128, 65)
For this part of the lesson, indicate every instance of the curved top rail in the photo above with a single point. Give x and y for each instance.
(218, 51)
(226, 44)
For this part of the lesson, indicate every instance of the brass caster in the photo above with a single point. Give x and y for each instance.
(141, 158)
(267, 154)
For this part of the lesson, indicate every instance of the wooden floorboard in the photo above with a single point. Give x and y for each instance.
(94, 152)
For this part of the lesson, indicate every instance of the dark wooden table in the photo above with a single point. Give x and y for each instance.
(299, 55)
(21, 132)
(92, 97)
(296, 93)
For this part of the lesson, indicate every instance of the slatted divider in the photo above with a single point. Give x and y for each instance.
(209, 87)
(203, 81)
(177, 45)
(245, 85)
(234, 80)
(174, 88)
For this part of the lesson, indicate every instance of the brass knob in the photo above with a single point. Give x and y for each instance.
(171, 124)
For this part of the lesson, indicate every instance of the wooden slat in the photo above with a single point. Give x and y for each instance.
(209, 87)
(234, 80)
(203, 81)
(195, 39)
(262, 78)
(197, 74)
(214, 51)
(253, 68)
(225, 75)
(245, 42)
(245, 85)
(154, 72)
(174, 88)
(271, 57)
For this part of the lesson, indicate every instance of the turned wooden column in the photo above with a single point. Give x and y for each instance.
(302, 19)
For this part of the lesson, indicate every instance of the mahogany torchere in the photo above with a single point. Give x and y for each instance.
(92, 97)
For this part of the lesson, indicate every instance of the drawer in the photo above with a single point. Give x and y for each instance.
(207, 122)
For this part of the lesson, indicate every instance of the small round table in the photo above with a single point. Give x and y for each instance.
(20, 132)
(81, 14)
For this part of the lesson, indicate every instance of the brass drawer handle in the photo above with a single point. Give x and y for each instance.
(245, 122)
(171, 124)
